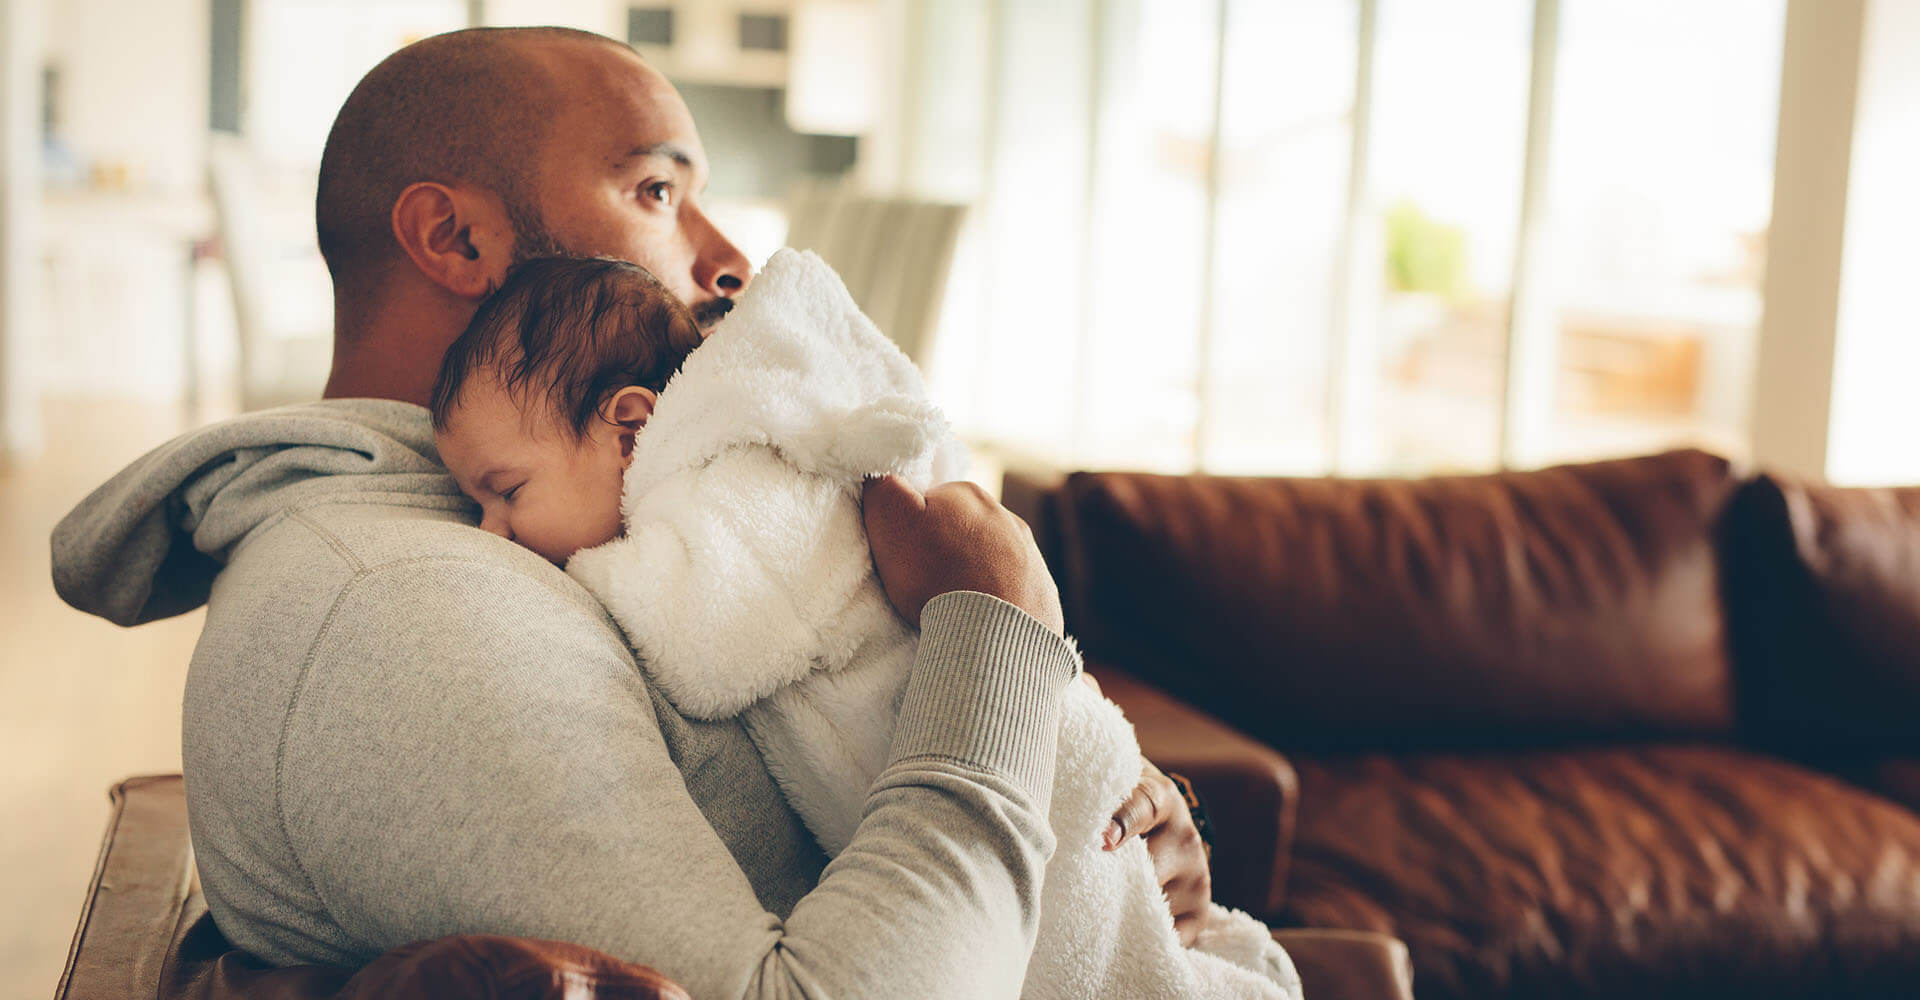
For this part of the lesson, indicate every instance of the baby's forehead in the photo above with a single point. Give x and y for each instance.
(490, 409)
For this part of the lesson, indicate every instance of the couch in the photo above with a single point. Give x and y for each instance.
(1639, 728)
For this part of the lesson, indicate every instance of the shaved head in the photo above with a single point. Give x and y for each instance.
(464, 155)
(469, 108)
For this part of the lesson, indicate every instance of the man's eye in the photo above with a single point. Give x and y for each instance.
(660, 191)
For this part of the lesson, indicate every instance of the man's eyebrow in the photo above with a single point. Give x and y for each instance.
(671, 150)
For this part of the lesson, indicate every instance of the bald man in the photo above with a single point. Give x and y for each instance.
(398, 727)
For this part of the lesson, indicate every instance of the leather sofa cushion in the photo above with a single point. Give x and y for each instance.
(1515, 609)
(1648, 872)
(1824, 600)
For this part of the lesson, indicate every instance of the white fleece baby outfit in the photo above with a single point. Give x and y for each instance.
(744, 547)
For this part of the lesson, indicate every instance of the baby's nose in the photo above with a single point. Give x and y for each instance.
(495, 524)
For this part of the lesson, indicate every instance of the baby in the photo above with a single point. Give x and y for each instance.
(710, 499)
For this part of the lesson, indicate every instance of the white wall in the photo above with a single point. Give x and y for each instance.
(606, 17)
(134, 81)
(304, 56)
(20, 47)
(1875, 431)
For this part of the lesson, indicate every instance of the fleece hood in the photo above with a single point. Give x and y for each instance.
(148, 543)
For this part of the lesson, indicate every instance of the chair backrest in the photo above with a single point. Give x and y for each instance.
(894, 254)
(282, 296)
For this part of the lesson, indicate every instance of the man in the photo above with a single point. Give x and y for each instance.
(398, 727)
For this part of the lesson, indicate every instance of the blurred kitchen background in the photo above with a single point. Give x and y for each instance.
(1296, 237)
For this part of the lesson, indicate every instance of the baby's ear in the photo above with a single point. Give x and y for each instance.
(630, 408)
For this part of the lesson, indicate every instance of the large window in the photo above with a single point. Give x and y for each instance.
(1662, 186)
(1372, 236)
(1286, 143)
(1449, 134)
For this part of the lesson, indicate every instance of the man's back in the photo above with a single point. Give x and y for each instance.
(319, 697)
(399, 727)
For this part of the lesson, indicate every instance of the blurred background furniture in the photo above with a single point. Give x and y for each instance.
(894, 254)
(145, 933)
(282, 296)
(1633, 728)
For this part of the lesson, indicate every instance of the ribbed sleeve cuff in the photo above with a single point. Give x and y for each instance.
(985, 690)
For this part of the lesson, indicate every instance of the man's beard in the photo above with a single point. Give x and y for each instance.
(530, 236)
(708, 313)
(532, 239)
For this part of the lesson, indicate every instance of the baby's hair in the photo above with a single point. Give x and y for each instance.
(576, 329)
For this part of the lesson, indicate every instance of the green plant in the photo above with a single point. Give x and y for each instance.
(1424, 255)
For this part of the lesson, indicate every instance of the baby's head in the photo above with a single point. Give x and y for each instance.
(539, 400)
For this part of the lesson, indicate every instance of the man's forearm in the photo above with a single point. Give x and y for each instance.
(938, 892)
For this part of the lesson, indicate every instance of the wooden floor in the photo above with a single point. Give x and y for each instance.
(82, 703)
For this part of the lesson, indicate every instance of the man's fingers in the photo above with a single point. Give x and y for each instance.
(1134, 817)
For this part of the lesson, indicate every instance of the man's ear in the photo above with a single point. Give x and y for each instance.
(629, 409)
(459, 238)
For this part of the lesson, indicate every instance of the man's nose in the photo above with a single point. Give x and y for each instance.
(719, 268)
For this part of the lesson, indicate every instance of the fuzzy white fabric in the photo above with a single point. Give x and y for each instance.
(744, 550)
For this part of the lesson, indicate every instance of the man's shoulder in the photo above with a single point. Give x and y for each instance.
(379, 574)
(428, 544)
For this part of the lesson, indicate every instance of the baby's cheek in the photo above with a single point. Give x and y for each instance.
(606, 525)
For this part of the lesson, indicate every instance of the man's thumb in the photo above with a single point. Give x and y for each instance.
(888, 499)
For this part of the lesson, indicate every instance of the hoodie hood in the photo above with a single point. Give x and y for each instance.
(148, 543)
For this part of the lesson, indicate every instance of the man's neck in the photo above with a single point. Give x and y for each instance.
(393, 351)
(377, 378)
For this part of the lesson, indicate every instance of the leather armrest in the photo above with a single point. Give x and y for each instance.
(145, 933)
(1250, 790)
(141, 880)
(1898, 778)
(1349, 965)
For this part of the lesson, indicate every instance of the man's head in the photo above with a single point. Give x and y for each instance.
(462, 155)
(538, 402)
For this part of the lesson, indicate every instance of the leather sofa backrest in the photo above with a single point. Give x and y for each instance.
(1573, 603)
(1823, 587)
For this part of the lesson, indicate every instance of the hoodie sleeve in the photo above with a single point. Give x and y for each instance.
(485, 769)
(147, 544)
(125, 552)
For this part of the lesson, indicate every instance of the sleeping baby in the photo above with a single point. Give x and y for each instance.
(711, 499)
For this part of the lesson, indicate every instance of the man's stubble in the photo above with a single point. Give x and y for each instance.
(532, 238)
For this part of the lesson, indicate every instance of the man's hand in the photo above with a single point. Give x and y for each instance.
(955, 537)
(1157, 811)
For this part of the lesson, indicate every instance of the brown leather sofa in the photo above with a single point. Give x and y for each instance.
(145, 933)
(1640, 728)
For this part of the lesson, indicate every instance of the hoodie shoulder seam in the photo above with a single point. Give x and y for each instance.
(333, 542)
(362, 573)
(286, 731)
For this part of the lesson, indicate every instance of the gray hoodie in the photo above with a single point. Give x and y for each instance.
(398, 727)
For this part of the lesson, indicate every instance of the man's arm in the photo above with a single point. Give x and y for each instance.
(494, 765)
(467, 787)
(912, 542)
